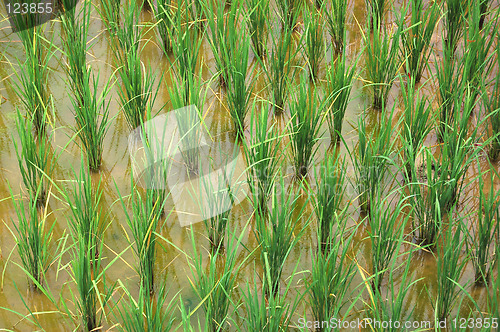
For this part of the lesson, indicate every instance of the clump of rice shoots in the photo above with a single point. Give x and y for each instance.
(289, 12)
(339, 80)
(137, 94)
(33, 157)
(416, 39)
(485, 231)
(277, 235)
(263, 154)
(279, 69)
(331, 188)
(336, 19)
(314, 42)
(332, 272)
(491, 102)
(165, 19)
(143, 221)
(372, 160)
(306, 111)
(376, 10)
(92, 121)
(386, 232)
(383, 60)
(33, 238)
(449, 268)
(257, 25)
(454, 21)
(214, 284)
(416, 124)
(109, 10)
(238, 90)
(145, 313)
(483, 5)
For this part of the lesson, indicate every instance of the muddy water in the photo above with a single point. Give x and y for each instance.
(116, 173)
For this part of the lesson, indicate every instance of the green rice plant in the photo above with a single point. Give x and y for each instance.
(138, 91)
(109, 10)
(257, 26)
(483, 5)
(238, 90)
(268, 313)
(491, 102)
(336, 19)
(214, 284)
(392, 306)
(32, 76)
(383, 60)
(33, 157)
(277, 235)
(454, 21)
(449, 268)
(477, 61)
(33, 238)
(339, 80)
(447, 73)
(332, 272)
(481, 240)
(145, 313)
(416, 39)
(143, 221)
(92, 121)
(314, 44)
(164, 17)
(376, 10)
(331, 188)
(386, 232)
(289, 12)
(416, 124)
(305, 125)
(372, 160)
(263, 154)
(279, 69)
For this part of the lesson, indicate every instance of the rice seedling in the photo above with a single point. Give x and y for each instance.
(416, 124)
(386, 232)
(383, 60)
(33, 157)
(145, 313)
(339, 80)
(263, 154)
(332, 272)
(336, 20)
(109, 10)
(257, 26)
(449, 269)
(454, 21)
(237, 89)
(214, 285)
(32, 76)
(305, 125)
(138, 91)
(485, 231)
(279, 69)
(276, 235)
(477, 62)
(491, 102)
(143, 221)
(289, 12)
(164, 17)
(92, 120)
(314, 43)
(376, 10)
(416, 39)
(483, 5)
(372, 161)
(34, 238)
(265, 313)
(327, 205)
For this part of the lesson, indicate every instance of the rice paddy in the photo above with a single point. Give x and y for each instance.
(250, 165)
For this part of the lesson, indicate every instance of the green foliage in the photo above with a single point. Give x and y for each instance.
(314, 42)
(336, 19)
(257, 25)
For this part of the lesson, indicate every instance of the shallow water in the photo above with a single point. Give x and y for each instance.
(116, 173)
